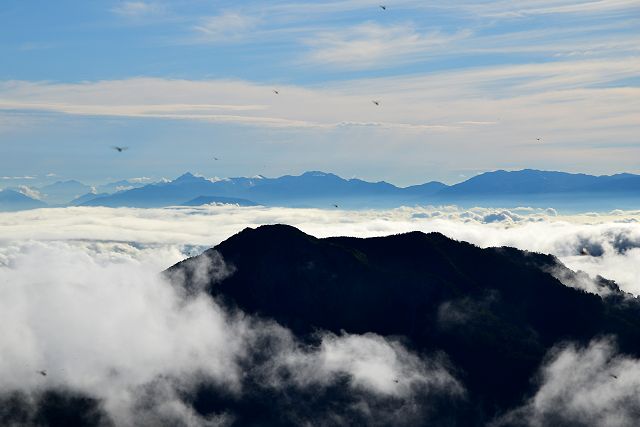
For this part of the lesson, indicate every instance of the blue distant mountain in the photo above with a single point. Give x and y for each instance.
(566, 191)
(320, 189)
(529, 181)
(11, 200)
(79, 201)
(311, 189)
(123, 185)
(62, 192)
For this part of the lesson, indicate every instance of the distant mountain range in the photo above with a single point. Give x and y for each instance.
(325, 190)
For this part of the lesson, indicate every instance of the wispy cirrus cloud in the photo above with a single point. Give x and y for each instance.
(225, 27)
(371, 45)
(571, 90)
(137, 9)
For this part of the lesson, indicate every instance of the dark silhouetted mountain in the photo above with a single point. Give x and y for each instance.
(494, 312)
(207, 200)
(11, 200)
(62, 192)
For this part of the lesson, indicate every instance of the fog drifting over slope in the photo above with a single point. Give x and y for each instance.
(95, 314)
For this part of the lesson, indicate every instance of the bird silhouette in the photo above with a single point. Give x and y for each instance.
(396, 381)
(119, 149)
(277, 92)
(376, 102)
(611, 375)
(383, 7)
(215, 158)
(335, 206)
(43, 373)
(538, 139)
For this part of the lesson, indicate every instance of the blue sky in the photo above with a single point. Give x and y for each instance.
(464, 87)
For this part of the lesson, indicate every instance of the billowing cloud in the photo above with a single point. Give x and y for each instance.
(109, 330)
(583, 386)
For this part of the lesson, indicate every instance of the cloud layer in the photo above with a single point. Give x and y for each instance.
(599, 244)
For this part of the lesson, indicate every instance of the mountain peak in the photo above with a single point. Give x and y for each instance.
(187, 177)
(317, 174)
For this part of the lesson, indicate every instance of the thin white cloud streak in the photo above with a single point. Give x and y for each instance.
(562, 7)
(371, 45)
(137, 9)
(614, 238)
(568, 99)
(225, 27)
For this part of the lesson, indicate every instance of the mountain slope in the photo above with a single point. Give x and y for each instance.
(530, 181)
(11, 200)
(62, 192)
(495, 312)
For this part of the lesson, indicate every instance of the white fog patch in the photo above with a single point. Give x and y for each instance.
(109, 330)
(595, 385)
(370, 361)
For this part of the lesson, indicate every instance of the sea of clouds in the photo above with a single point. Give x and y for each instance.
(82, 297)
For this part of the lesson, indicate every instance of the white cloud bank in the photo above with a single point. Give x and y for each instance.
(164, 236)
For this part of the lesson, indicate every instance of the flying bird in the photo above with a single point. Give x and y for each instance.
(538, 139)
(396, 381)
(215, 158)
(383, 7)
(611, 375)
(120, 149)
(43, 373)
(376, 102)
(335, 206)
(277, 92)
